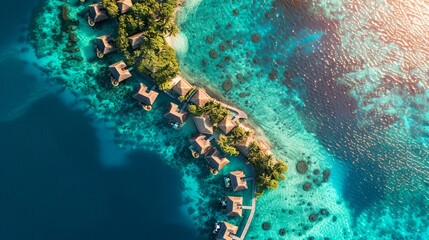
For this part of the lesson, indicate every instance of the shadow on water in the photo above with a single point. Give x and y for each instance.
(53, 186)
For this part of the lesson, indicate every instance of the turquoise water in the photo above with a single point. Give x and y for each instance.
(62, 174)
(341, 85)
(86, 77)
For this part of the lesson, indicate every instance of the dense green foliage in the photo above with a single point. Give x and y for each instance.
(154, 56)
(216, 111)
(227, 143)
(195, 110)
(268, 170)
(111, 7)
(227, 146)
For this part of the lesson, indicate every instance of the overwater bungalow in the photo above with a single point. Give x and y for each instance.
(104, 45)
(119, 72)
(146, 97)
(203, 124)
(97, 13)
(182, 87)
(236, 180)
(135, 40)
(244, 146)
(225, 231)
(226, 125)
(200, 144)
(200, 97)
(216, 160)
(176, 116)
(124, 5)
(234, 206)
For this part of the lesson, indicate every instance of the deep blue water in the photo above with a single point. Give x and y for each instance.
(53, 181)
(53, 185)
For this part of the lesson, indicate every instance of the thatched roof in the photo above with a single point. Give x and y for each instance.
(215, 160)
(233, 206)
(105, 44)
(226, 231)
(226, 125)
(124, 5)
(200, 98)
(200, 143)
(175, 115)
(145, 95)
(97, 12)
(182, 87)
(119, 71)
(135, 40)
(244, 146)
(237, 181)
(203, 124)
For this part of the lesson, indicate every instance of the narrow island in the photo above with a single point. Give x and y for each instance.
(222, 136)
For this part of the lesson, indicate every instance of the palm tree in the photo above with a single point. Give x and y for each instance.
(263, 180)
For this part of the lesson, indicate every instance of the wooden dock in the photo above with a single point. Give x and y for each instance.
(249, 220)
(253, 207)
(239, 113)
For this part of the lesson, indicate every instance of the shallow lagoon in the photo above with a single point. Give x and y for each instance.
(329, 83)
(316, 88)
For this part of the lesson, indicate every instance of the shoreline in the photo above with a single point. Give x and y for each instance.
(117, 104)
(215, 93)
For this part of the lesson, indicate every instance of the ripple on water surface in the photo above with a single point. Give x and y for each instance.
(330, 81)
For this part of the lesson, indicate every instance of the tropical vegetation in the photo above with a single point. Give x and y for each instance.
(111, 7)
(155, 20)
(269, 171)
(215, 110)
(227, 143)
(195, 110)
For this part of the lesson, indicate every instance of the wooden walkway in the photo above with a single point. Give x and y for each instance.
(253, 207)
(240, 113)
(249, 220)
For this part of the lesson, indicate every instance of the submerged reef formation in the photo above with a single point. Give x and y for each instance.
(82, 68)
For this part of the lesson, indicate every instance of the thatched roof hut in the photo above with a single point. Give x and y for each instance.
(135, 40)
(124, 5)
(200, 143)
(97, 12)
(203, 124)
(226, 125)
(237, 180)
(105, 44)
(145, 95)
(182, 87)
(216, 160)
(119, 71)
(244, 146)
(226, 231)
(200, 97)
(233, 206)
(176, 115)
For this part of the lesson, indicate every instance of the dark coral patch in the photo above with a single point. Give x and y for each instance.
(301, 167)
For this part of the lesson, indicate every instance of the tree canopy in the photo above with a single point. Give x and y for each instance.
(155, 20)
(111, 7)
(227, 143)
(269, 171)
